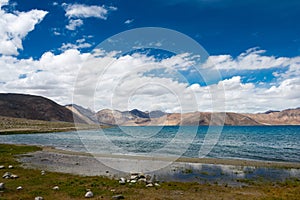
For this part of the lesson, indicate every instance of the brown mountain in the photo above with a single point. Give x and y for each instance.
(139, 118)
(34, 107)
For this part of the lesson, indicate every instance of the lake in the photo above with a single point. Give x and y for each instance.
(265, 143)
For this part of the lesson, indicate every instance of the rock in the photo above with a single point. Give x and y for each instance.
(20, 188)
(142, 180)
(2, 167)
(156, 184)
(10, 166)
(149, 185)
(122, 181)
(119, 196)
(133, 181)
(14, 176)
(89, 194)
(6, 175)
(2, 186)
(55, 188)
(43, 172)
(38, 198)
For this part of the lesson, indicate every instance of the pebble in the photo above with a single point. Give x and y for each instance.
(119, 196)
(14, 176)
(20, 188)
(2, 167)
(55, 188)
(149, 185)
(89, 194)
(43, 172)
(2, 186)
(10, 166)
(122, 181)
(38, 198)
(156, 184)
(6, 175)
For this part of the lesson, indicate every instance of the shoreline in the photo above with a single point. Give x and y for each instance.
(202, 170)
(215, 161)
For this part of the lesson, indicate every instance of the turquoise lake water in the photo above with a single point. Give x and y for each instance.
(267, 143)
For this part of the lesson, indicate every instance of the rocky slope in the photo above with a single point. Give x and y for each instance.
(34, 107)
(139, 118)
(40, 108)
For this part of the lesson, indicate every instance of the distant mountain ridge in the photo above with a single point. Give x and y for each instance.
(40, 108)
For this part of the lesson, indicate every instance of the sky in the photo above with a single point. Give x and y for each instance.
(248, 58)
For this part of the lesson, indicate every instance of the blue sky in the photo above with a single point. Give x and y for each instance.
(254, 44)
(221, 26)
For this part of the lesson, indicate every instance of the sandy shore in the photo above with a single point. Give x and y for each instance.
(184, 169)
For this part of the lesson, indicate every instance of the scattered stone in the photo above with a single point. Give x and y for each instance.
(119, 196)
(122, 181)
(156, 184)
(55, 188)
(133, 181)
(149, 185)
(20, 188)
(38, 198)
(89, 194)
(43, 172)
(2, 186)
(2, 167)
(142, 180)
(6, 175)
(10, 166)
(14, 176)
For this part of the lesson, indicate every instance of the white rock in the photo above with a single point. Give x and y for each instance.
(122, 181)
(6, 175)
(14, 176)
(149, 185)
(2, 167)
(89, 194)
(156, 184)
(43, 172)
(55, 188)
(10, 166)
(20, 188)
(38, 198)
(2, 186)
(133, 181)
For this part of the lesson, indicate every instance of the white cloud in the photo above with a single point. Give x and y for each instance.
(80, 44)
(128, 21)
(252, 59)
(14, 27)
(85, 11)
(73, 24)
(123, 83)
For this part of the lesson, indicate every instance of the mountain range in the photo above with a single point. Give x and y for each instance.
(40, 108)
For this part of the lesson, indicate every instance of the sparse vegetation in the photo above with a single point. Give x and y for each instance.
(74, 187)
(9, 125)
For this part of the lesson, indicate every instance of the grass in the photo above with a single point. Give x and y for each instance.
(74, 186)
(9, 125)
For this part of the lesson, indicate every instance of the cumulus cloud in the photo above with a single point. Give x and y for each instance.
(103, 80)
(14, 27)
(252, 59)
(76, 12)
(128, 21)
(85, 11)
(80, 44)
(73, 24)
